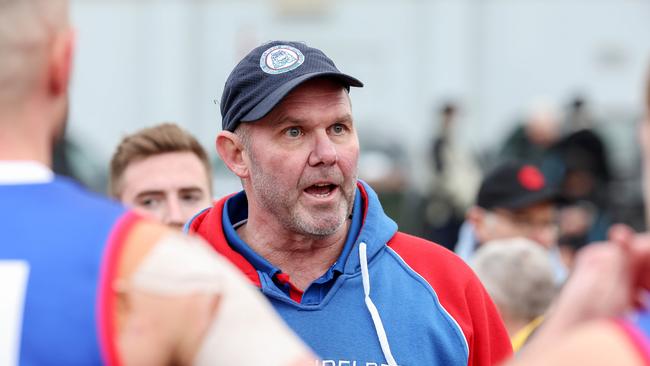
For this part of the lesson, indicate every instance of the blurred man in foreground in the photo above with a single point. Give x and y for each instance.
(164, 172)
(83, 281)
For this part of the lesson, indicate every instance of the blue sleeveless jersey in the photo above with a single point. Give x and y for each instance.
(59, 232)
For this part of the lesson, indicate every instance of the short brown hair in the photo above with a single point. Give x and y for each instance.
(156, 140)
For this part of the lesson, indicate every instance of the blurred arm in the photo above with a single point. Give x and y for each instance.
(607, 282)
(181, 303)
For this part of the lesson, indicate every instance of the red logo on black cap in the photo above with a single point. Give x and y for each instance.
(531, 178)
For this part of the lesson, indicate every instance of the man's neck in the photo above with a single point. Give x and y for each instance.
(12, 149)
(22, 140)
(304, 258)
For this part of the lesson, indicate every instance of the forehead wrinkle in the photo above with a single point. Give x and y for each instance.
(286, 114)
(318, 95)
(326, 99)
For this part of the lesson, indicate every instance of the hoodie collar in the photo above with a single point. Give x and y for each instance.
(207, 224)
(235, 212)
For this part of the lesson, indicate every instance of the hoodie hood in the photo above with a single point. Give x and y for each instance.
(377, 229)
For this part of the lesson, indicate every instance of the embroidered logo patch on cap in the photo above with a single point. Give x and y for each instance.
(281, 59)
(531, 178)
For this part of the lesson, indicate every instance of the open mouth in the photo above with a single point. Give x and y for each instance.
(321, 190)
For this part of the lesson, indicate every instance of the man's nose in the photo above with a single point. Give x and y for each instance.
(174, 216)
(324, 150)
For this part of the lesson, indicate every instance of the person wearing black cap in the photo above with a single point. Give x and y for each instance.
(315, 239)
(514, 200)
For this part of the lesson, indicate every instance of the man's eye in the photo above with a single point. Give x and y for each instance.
(338, 129)
(191, 197)
(148, 202)
(293, 132)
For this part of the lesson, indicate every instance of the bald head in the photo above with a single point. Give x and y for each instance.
(27, 28)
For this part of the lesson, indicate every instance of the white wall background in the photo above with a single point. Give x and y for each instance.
(141, 62)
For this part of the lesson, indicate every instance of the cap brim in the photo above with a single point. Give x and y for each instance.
(271, 100)
(528, 200)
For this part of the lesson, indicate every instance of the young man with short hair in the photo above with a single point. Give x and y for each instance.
(162, 171)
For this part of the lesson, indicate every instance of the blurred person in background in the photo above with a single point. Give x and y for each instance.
(602, 315)
(316, 240)
(514, 200)
(533, 139)
(162, 171)
(455, 177)
(518, 275)
(83, 280)
(572, 157)
(585, 181)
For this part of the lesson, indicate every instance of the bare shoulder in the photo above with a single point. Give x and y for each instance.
(142, 237)
(185, 304)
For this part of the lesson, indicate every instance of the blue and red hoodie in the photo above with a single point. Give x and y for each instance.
(390, 299)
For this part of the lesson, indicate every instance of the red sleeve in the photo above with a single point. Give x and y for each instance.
(461, 293)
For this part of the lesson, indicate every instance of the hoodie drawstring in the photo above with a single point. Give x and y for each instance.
(374, 313)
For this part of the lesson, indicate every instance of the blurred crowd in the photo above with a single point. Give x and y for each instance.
(568, 144)
(522, 210)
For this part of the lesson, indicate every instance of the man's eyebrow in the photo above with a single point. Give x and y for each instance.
(346, 118)
(288, 120)
(150, 193)
(191, 189)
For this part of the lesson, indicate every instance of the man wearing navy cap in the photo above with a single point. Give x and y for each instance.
(315, 239)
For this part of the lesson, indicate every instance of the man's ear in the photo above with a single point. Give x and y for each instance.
(60, 64)
(232, 152)
(475, 216)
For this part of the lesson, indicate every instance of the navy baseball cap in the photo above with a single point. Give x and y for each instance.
(515, 185)
(267, 74)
